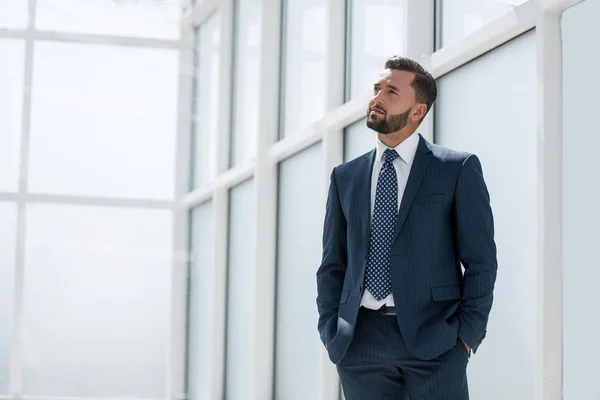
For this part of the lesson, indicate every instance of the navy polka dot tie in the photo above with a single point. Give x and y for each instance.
(378, 279)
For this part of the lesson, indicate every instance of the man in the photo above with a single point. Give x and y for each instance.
(396, 313)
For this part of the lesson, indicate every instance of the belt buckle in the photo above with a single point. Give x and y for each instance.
(385, 310)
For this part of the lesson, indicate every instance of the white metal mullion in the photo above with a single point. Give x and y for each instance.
(91, 38)
(5, 196)
(17, 331)
(201, 12)
(221, 202)
(218, 304)
(333, 153)
(558, 5)
(231, 178)
(76, 398)
(265, 189)
(224, 88)
(105, 39)
(179, 285)
(293, 144)
(549, 365)
(13, 33)
(515, 22)
(419, 43)
(94, 201)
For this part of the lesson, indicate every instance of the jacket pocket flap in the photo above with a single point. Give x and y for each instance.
(344, 297)
(441, 293)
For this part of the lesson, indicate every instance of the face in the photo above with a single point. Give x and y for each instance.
(393, 105)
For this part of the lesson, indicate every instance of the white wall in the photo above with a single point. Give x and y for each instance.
(488, 107)
(581, 192)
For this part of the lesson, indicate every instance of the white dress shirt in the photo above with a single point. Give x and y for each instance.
(402, 164)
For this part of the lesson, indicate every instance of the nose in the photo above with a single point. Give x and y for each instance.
(377, 97)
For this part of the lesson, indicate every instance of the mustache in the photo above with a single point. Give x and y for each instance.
(374, 107)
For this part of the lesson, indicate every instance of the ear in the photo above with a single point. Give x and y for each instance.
(419, 112)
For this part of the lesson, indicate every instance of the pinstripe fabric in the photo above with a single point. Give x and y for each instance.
(444, 220)
(378, 366)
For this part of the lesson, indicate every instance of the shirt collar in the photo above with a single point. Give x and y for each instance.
(406, 150)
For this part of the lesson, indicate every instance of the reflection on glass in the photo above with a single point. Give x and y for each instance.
(304, 63)
(246, 90)
(300, 227)
(206, 98)
(154, 19)
(240, 307)
(8, 242)
(97, 295)
(11, 95)
(462, 17)
(358, 139)
(377, 32)
(13, 15)
(200, 302)
(103, 121)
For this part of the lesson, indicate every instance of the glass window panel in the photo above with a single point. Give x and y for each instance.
(200, 302)
(304, 63)
(581, 216)
(206, 98)
(97, 296)
(13, 14)
(104, 121)
(300, 226)
(155, 19)
(246, 83)
(459, 18)
(377, 32)
(8, 243)
(11, 96)
(471, 115)
(358, 139)
(240, 307)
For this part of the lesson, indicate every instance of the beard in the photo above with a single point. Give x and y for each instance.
(385, 124)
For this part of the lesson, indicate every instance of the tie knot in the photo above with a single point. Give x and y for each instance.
(389, 155)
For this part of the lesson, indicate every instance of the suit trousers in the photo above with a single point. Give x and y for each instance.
(379, 366)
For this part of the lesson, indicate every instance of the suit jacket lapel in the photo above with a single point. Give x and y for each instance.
(364, 195)
(417, 172)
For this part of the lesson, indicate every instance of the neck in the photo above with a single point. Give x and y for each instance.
(395, 138)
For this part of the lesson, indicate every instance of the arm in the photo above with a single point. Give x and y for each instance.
(331, 273)
(477, 251)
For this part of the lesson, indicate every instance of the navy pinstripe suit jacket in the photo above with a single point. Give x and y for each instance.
(444, 219)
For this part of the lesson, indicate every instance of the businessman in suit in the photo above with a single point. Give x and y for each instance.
(397, 315)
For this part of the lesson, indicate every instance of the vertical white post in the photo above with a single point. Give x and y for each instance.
(226, 13)
(176, 385)
(217, 325)
(16, 365)
(263, 332)
(333, 150)
(419, 44)
(549, 285)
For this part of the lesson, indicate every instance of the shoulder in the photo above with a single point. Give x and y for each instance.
(448, 155)
(353, 166)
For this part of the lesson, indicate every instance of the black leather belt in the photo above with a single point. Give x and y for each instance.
(384, 310)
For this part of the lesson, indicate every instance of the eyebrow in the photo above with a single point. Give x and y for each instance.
(376, 85)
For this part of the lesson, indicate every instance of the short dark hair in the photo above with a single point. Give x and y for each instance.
(424, 84)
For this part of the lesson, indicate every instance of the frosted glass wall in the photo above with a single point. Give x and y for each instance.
(581, 215)
(488, 107)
